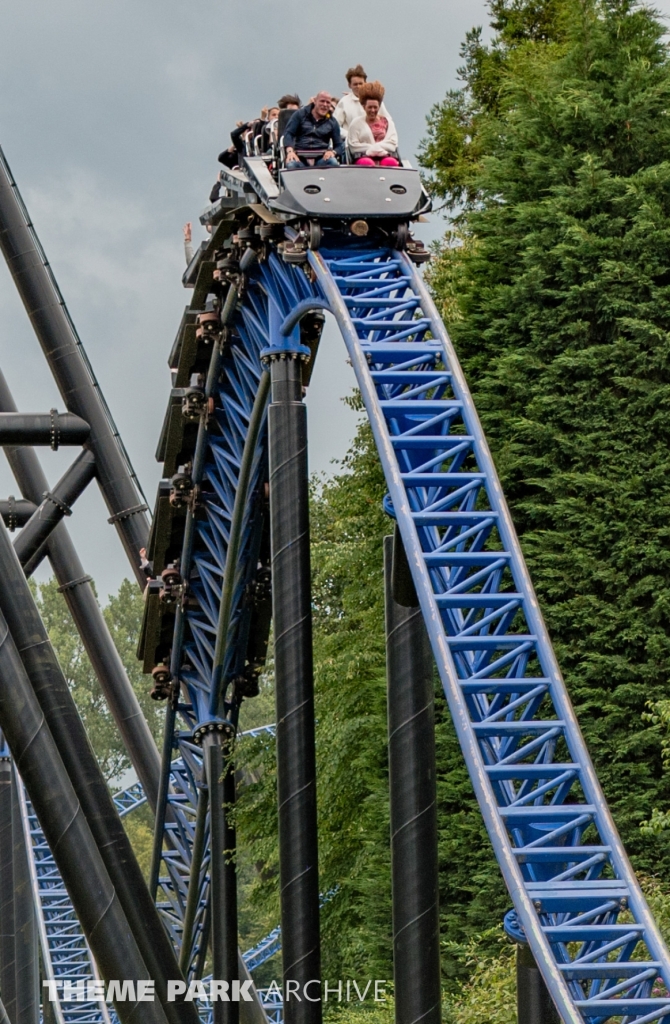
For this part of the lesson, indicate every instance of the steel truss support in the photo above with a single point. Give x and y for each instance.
(76, 588)
(19, 959)
(55, 505)
(69, 365)
(412, 774)
(58, 707)
(76, 851)
(294, 686)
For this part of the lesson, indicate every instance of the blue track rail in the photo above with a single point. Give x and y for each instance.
(574, 891)
(576, 898)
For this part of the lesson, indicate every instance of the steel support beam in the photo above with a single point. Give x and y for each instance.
(19, 956)
(294, 686)
(69, 365)
(58, 707)
(89, 620)
(75, 849)
(16, 512)
(27, 944)
(7, 909)
(412, 772)
(53, 429)
(223, 874)
(534, 1004)
(55, 505)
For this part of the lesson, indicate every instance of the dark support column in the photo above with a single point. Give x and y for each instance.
(7, 921)
(27, 948)
(89, 620)
(294, 685)
(223, 874)
(69, 365)
(411, 728)
(55, 505)
(534, 1004)
(19, 956)
(55, 699)
(74, 847)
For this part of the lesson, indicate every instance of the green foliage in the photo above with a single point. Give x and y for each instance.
(489, 996)
(556, 285)
(123, 615)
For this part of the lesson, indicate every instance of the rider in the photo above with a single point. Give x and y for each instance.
(373, 139)
(349, 107)
(313, 128)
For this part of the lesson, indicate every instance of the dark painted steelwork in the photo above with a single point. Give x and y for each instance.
(82, 603)
(75, 849)
(72, 372)
(7, 910)
(19, 958)
(4, 1019)
(27, 954)
(413, 796)
(197, 853)
(235, 537)
(55, 506)
(55, 698)
(54, 429)
(223, 889)
(534, 1004)
(294, 685)
(16, 511)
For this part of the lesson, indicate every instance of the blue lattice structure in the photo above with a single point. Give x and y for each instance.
(575, 895)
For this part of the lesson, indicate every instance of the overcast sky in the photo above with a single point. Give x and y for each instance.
(111, 116)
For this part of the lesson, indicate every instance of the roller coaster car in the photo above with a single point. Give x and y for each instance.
(386, 196)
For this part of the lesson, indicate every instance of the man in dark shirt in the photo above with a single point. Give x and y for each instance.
(313, 128)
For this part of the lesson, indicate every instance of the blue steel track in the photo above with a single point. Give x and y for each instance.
(576, 899)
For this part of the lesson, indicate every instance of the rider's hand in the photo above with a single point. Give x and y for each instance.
(290, 153)
(187, 238)
(329, 154)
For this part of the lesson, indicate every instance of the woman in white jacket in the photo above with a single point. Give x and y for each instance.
(373, 139)
(349, 107)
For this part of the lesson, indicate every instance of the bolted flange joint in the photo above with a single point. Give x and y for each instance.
(218, 726)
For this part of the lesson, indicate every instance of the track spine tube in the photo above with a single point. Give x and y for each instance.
(74, 377)
(413, 798)
(89, 620)
(235, 537)
(55, 699)
(294, 687)
(197, 854)
(66, 830)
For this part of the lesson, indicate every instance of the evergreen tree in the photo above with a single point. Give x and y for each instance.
(555, 282)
